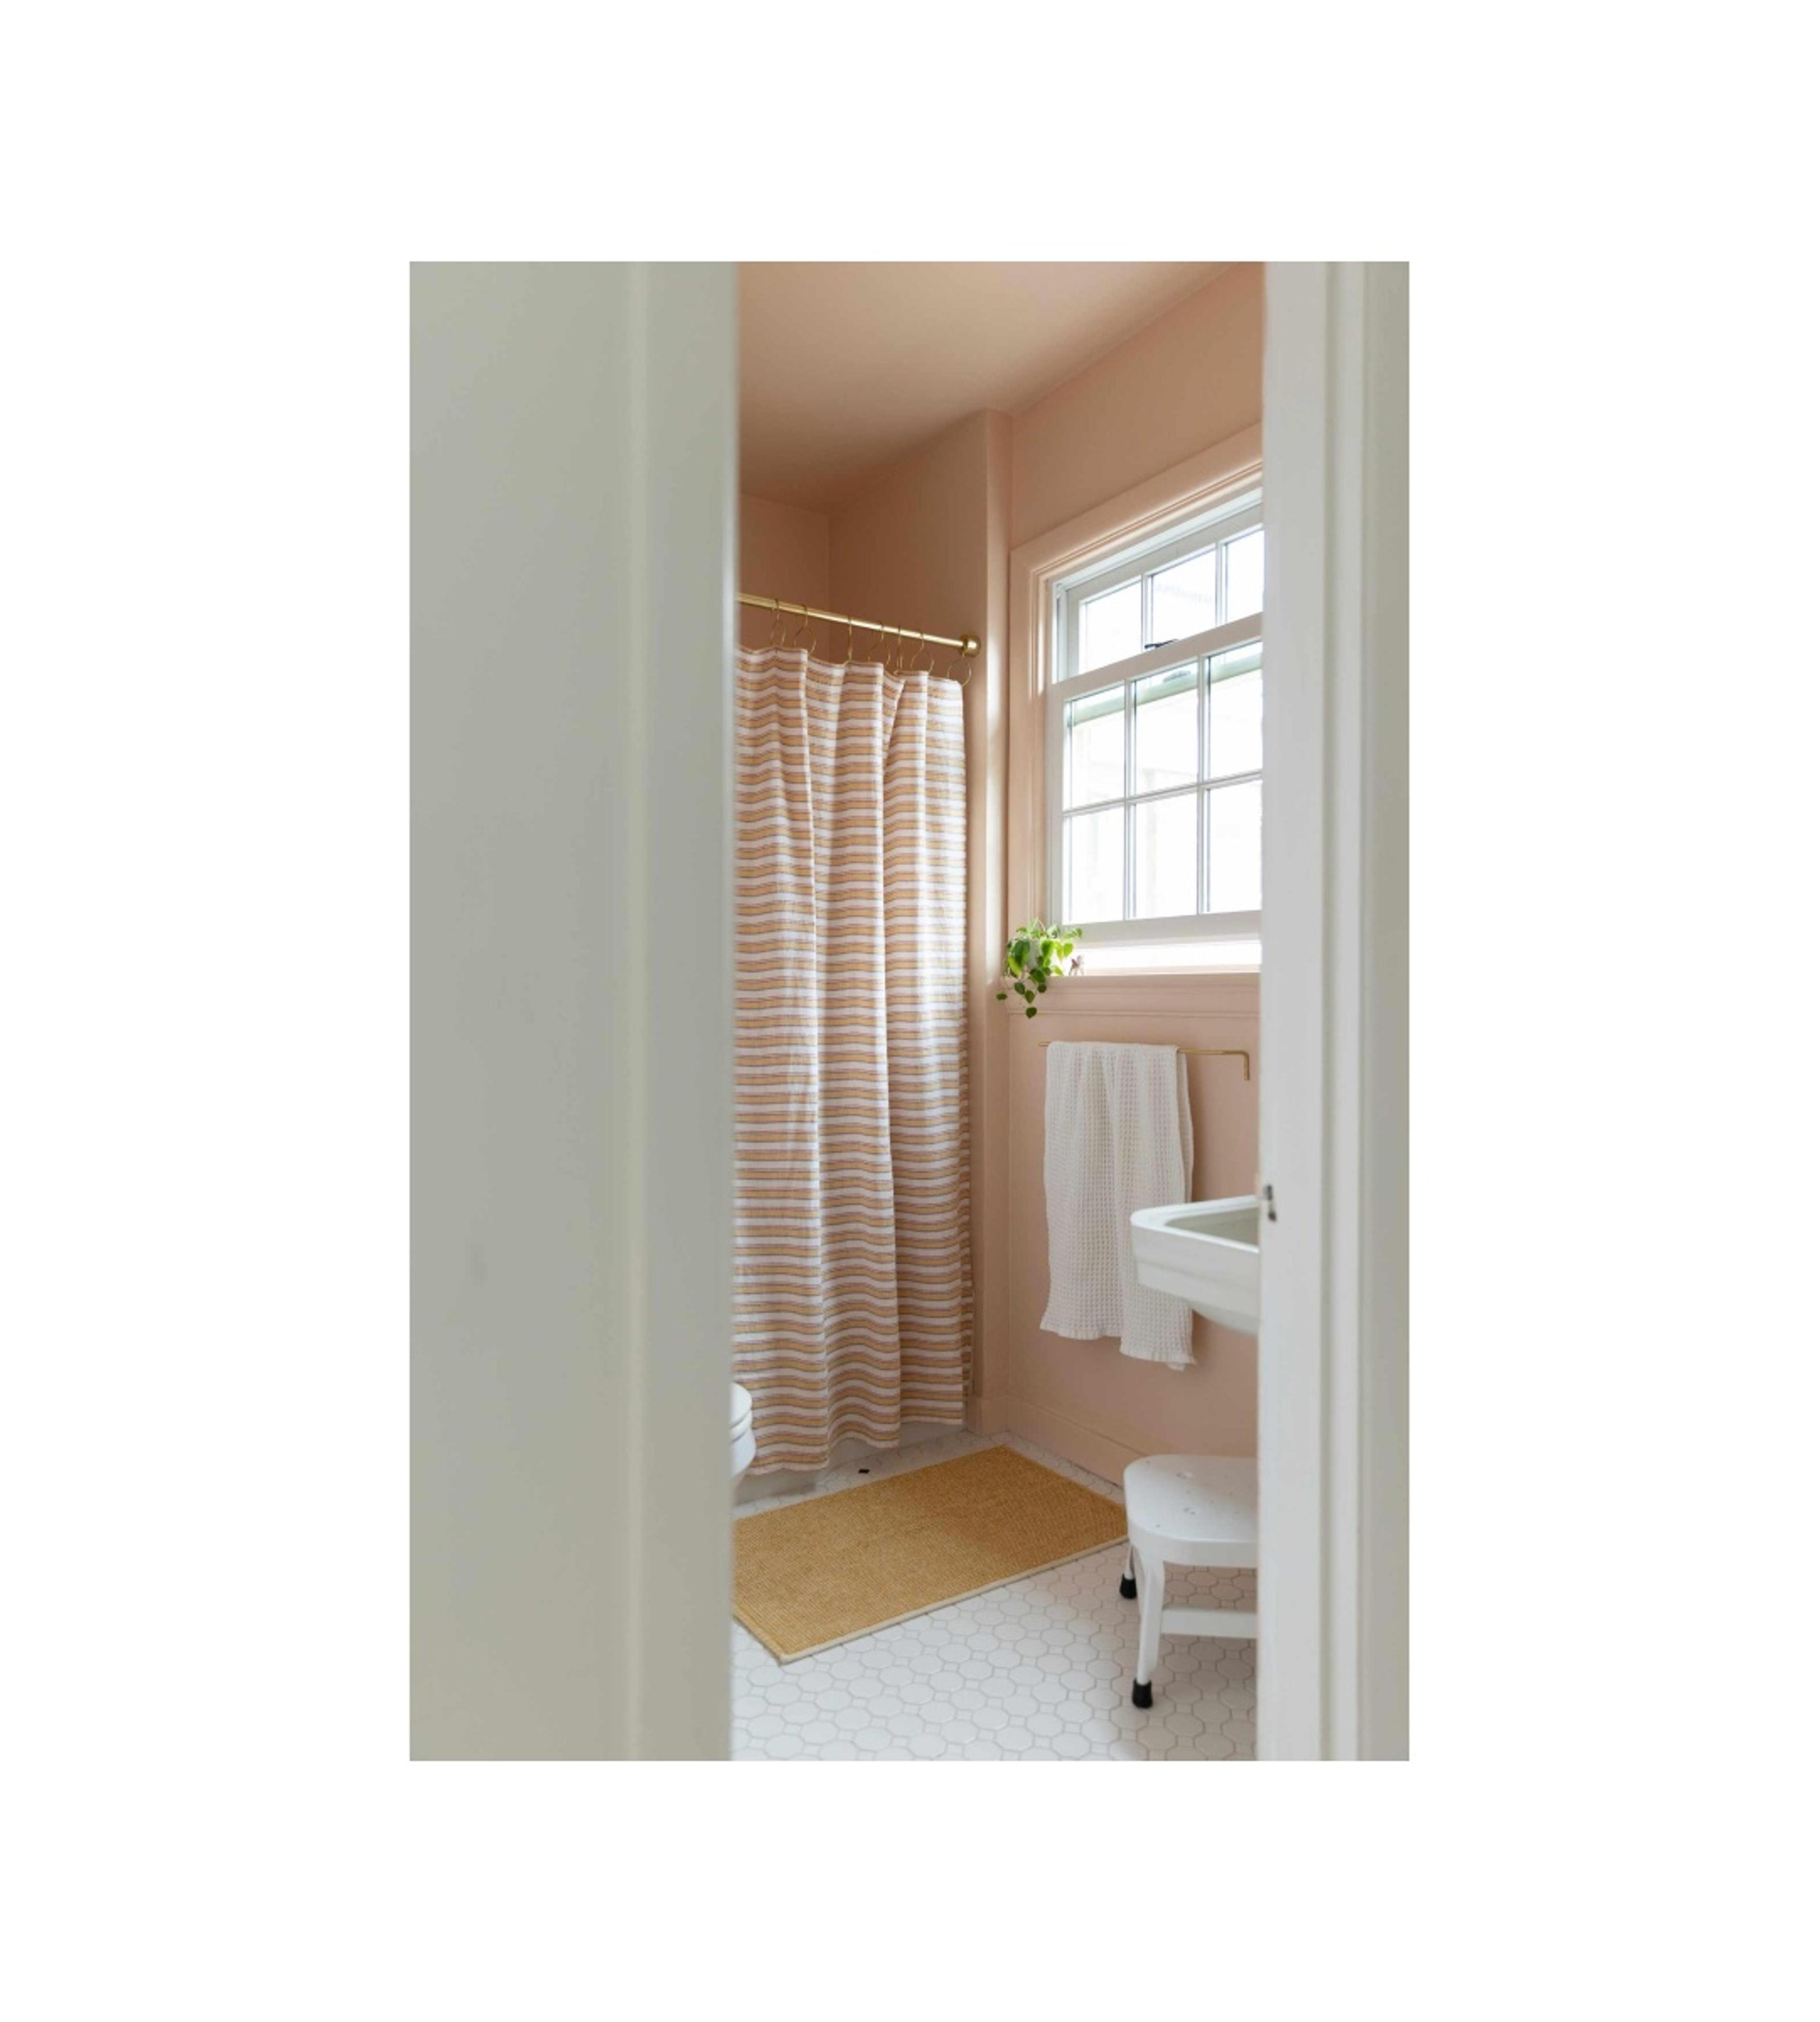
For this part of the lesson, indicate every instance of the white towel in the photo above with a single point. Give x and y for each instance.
(1117, 1136)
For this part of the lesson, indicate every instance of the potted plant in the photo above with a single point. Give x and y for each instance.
(1032, 955)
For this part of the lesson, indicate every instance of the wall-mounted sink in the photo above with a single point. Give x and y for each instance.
(1205, 1252)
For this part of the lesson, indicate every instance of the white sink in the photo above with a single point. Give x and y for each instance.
(1205, 1252)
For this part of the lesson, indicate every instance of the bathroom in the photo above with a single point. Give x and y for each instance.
(1096, 416)
(954, 1038)
(385, 1031)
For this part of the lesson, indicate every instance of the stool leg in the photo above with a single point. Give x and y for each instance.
(1150, 1579)
(1127, 1585)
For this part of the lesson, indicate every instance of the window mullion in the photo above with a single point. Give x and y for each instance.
(1228, 522)
(1201, 894)
(1131, 811)
(1167, 793)
(1171, 653)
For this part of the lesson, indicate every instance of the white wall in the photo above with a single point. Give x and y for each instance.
(1333, 1347)
(573, 477)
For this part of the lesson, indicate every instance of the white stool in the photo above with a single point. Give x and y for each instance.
(1185, 1510)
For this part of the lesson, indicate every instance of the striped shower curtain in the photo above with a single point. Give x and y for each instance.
(852, 1309)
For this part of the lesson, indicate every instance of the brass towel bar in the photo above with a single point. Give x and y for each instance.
(1235, 1053)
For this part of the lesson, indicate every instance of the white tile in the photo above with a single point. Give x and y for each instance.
(1039, 1670)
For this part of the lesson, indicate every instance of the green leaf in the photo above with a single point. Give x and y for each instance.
(1001, 996)
(1031, 1012)
(1043, 984)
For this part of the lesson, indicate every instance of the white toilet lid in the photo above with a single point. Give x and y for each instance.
(742, 1409)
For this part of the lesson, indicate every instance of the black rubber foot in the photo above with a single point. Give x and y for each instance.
(1128, 1588)
(1140, 1694)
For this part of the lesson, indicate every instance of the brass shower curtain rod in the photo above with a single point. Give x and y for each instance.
(966, 647)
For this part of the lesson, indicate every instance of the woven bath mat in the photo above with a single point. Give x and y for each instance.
(819, 1572)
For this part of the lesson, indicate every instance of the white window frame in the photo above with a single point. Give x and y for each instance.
(1206, 526)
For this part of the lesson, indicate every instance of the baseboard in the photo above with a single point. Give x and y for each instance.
(1092, 1447)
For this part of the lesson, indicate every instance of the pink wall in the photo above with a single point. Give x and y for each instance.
(929, 542)
(1189, 380)
(1084, 1400)
(782, 553)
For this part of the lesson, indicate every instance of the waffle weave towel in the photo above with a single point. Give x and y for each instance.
(1117, 1138)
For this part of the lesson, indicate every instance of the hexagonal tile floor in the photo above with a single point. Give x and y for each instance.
(1039, 1670)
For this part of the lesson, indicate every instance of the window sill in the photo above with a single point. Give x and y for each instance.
(1183, 955)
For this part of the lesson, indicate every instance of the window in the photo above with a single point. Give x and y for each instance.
(1156, 737)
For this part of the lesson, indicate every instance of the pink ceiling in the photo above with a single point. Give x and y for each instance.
(846, 367)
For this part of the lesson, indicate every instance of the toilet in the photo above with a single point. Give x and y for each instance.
(744, 1445)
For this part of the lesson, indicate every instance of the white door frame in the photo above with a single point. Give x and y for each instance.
(572, 516)
(1333, 1662)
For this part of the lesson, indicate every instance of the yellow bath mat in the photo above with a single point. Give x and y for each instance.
(822, 1571)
